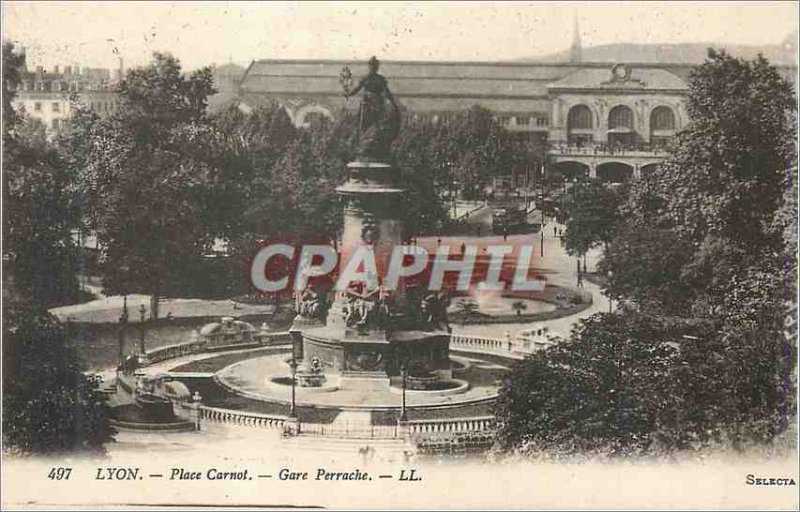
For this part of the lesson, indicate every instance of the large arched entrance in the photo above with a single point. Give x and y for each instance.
(569, 171)
(614, 172)
(312, 114)
(646, 169)
(580, 126)
(662, 127)
(620, 127)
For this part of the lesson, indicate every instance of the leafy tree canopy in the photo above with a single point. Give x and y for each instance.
(149, 167)
(49, 405)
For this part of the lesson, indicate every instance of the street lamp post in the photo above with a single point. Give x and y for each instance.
(454, 195)
(541, 246)
(293, 366)
(610, 300)
(403, 374)
(142, 313)
(123, 322)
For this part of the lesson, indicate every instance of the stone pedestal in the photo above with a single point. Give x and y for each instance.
(299, 324)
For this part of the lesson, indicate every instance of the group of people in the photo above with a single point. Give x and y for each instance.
(364, 307)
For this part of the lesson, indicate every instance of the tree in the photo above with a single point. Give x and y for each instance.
(251, 144)
(12, 64)
(721, 186)
(43, 204)
(471, 148)
(49, 404)
(702, 251)
(705, 237)
(415, 152)
(609, 390)
(519, 307)
(149, 168)
(591, 216)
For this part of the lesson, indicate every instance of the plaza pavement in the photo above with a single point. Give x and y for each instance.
(108, 309)
(556, 266)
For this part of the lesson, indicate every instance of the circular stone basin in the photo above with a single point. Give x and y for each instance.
(265, 378)
(134, 417)
(457, 365)
(325, 387)
(494, 305)
(441, 387)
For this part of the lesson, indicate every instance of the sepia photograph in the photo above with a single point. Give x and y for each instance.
(399, 255)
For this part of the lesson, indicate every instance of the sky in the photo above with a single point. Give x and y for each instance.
(94, 34)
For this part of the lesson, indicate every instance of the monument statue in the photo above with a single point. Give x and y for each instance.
(379, 116)
(369, 330)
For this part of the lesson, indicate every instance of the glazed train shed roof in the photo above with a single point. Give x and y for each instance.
(411, 78)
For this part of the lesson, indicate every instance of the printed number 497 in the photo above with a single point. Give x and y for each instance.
(59, 473)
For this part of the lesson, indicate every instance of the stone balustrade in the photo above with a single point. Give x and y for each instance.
(506, 347)
(242, 418)
(452, 425)
(172, 351)
(195, 347)
(268, 421)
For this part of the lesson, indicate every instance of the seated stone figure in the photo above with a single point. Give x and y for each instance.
(310, 304)
(434, 311)
(367, 309)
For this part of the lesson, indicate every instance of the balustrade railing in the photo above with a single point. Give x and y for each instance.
(496, 345)
(172, 351)
(242, 418)
(452, 425)
(604, 149)
(195, 347)
(349, 429)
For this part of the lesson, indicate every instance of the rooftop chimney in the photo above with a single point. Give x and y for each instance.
(575, 49)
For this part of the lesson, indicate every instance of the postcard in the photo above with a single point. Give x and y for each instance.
(399, 256)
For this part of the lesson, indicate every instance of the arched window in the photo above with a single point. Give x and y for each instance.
(580, 125)
(310, 115)
(579, 118)
(620, 118)
(662, 127)
(314, 119)
(620, 127)
(661, 119)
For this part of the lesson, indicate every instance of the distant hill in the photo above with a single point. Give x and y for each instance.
(784, 53)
